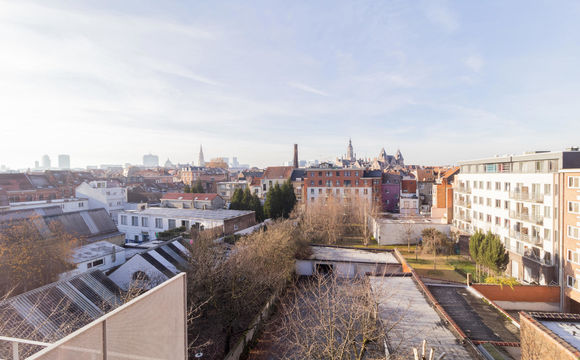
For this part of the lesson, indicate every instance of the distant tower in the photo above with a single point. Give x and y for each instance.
(46, 162)
(349, 151)
(64, 162)
(201, 161)
(399, 158)
(36, 164)
(295, 163)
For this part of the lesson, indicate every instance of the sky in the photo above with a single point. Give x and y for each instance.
(107, 81)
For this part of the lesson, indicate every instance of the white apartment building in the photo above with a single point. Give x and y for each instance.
(108, 195)
(145, 225)
(516, 198)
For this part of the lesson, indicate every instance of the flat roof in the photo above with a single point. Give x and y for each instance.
(95, 250)
(404, 308)
(352, 255)
(568, 331)
(220, 214)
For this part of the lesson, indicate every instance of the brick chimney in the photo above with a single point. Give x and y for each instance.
(295, 164)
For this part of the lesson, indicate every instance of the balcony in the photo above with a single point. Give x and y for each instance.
(464, 217)
(463, 189)
(526, 196)
(527, 217)
(531, 239)
(464, 203)
(532, 254)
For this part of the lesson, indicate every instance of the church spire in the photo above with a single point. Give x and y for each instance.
(350, 151)
(201, 160)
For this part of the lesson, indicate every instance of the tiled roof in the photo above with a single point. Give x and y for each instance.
(190, 196)
(15, 182)
(278, 172)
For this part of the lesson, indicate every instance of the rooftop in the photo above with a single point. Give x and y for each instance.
(95, 250)
(562, 325)
(220, 214)
(352, 255)
(190, 196)
(403, 306)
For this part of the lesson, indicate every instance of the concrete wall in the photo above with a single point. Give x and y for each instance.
(392, 232)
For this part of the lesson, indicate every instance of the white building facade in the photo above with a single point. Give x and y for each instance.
(140, 226)
(516, 198)
(104, 194)
(66, 205)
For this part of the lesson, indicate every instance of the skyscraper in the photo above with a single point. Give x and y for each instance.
(150, 160)
(201, 160)
(45, 162)
(64, 161)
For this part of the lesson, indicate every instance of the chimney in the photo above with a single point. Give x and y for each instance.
(295, 164)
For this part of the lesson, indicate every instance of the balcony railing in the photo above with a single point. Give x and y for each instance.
(463, 189)
(526, 196)
(530, 254)
(465, 217)
(464, 203)
(527, 217)
(532, 239)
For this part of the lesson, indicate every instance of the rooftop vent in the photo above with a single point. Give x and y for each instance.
(572, 148)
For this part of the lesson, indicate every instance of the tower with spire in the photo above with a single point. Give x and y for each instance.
(201, 160)
(350, 151)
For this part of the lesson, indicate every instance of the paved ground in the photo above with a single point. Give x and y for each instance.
(478, 320)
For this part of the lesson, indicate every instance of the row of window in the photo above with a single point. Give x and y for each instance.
(346, 191)
(144, 221)
(574, 182)
(573, 257)
(497, 186)
(506, 205)
(534, 166)
(329, 173)
(574, 207)
(345, 183)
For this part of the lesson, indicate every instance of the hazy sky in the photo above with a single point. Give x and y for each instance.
(108, 81)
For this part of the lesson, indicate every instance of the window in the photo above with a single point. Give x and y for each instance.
(311, 182)
(573, 232)
(123, 219)
(337, 182)
(81, 204)
(497, 221)
(320, 182)
(481, 185)
(497, 203)
(574, 182)
(574, 207)
(134, 220)
(546, 211)
(95, 263)
(171, 224)
(572, 282)
(338, 173)
(329, 183)
(506, 223)
(144, 221)
(488, 202)
(506, 205)
(498, 186)
(488, 218)
(547, 189)
(488, 185)
(506, 186)
(547, 234)
(356, 173)
(159, 223)
(312, 191)
(365, 191)
(573, 256)
(481, 200)
(320, 191)
(347, 173)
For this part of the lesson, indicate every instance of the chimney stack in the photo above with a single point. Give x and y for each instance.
(295, 164)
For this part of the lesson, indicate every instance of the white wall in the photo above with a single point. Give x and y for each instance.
(123, 276)
(392, 232)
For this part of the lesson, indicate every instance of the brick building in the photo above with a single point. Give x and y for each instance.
(569, 183)
(549, 335)
(193, 201)
(320, 183)
(443, 196)
(33, 187)
(390, 192)
(209, 177)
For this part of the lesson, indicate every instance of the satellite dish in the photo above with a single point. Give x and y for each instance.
(199, 355)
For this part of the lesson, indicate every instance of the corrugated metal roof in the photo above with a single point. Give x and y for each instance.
(57, 309)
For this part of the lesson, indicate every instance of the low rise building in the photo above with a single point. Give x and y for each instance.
(145, 225)
(226, 189)
(66, 205)
(275, 175)
(193, 201)
(208, 177)
(100, 255)
(409, 202)
(549, 335)
(104, 194)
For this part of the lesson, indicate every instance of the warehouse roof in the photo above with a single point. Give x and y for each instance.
(220, 214)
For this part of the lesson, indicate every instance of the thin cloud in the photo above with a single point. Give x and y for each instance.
(307, 88)
(474, 62)
(439, 13)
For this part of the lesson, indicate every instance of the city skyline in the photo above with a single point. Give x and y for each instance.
(428, 78)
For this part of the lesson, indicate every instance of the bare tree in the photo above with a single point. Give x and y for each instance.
(32, 254)
(325, 317)
(434, 242)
